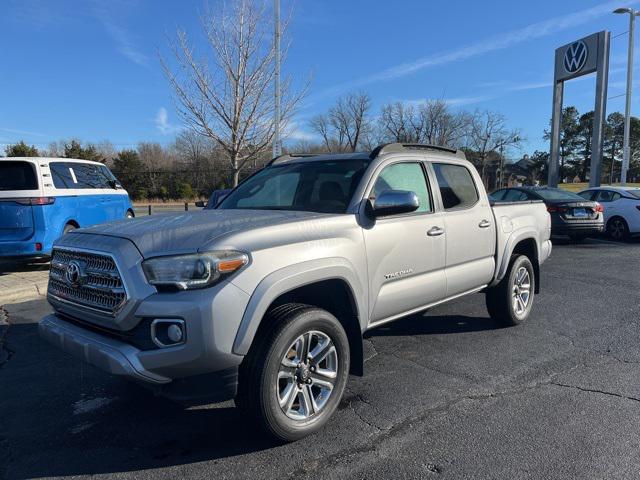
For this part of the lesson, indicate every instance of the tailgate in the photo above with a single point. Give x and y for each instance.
(16, 221)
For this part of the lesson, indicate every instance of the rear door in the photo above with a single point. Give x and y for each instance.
(405, 253)
(80, 197)
(18, 184)
(469, 226)
(610, 200)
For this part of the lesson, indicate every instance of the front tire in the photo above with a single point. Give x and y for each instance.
(511, 300)
(293, 380)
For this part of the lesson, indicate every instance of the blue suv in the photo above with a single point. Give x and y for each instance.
(43, 198)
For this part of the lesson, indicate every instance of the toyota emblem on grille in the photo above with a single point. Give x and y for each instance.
(73, 274)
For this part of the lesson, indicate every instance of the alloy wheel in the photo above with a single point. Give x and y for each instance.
(307, 375)
(521, 291)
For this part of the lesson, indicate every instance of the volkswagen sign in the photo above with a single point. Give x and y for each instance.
(575, 57)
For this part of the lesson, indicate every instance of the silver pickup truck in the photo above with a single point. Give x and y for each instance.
(264, 298)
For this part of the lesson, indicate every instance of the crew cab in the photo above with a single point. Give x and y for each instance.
(264, 298)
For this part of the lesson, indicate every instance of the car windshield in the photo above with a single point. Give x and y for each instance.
(635, 192)
(557, 194)
(16, 175)
(311, 186)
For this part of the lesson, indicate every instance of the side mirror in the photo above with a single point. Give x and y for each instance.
(200, 204)
(395, 202)
(115, 184)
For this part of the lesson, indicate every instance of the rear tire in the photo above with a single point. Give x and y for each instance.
(618, 229)
(290, 396)
(511, 300)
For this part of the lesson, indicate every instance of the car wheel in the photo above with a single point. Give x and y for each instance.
(129, 214)
(293, 379)
(511, 300)
(618, 229)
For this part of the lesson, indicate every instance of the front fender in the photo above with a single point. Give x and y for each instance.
(290, 278)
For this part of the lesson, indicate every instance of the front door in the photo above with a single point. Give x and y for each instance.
(405, 253)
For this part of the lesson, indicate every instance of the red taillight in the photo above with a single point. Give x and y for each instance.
(35, 200)
(38, 247)
(599, 208)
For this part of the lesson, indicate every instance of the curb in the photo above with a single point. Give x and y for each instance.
(24, 293)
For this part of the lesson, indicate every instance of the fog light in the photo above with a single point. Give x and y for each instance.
(174, 332)
(168, 332)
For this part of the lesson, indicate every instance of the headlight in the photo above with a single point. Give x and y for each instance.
(188, 272)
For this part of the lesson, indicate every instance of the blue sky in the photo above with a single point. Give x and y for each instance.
(89, 69)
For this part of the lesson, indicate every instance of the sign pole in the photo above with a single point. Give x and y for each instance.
(600, 110)
(587, 55)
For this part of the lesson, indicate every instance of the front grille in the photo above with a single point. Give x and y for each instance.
(94, 281)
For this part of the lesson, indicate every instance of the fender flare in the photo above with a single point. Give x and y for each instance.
(515, 237)
(289, 278)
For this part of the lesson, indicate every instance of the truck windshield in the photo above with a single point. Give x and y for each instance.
(311, 186)
(16, 175)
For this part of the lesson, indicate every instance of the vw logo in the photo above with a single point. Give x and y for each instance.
(73, 274)
(575, 56)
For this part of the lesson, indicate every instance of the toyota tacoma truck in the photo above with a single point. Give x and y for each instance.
(264, 298)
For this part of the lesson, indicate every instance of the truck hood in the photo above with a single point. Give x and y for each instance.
(188, 232)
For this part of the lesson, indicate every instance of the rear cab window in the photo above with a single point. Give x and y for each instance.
(18, 175)
(457, 187)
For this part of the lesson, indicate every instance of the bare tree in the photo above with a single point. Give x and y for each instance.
(346, 124)
(430, 122)
(488, 134)
(227, 95)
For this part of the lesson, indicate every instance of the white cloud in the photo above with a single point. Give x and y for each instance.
(162, 123)
(499, 42)
(124, 44)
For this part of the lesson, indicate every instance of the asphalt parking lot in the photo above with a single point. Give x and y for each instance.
(447, 394)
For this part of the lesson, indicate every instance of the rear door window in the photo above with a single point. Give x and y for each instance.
(80, 175)
(457, 188)
(17, 175)
(607, 196)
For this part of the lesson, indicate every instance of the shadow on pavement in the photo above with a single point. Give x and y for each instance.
(61, 417)
(426, 324)
(13, 266)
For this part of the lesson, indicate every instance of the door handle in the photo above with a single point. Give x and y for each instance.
(435, 231)
(484, 224)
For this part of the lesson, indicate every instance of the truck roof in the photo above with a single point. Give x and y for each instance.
(380, 150)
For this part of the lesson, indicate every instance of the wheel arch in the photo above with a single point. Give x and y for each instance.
(334, 288)
(521, 244)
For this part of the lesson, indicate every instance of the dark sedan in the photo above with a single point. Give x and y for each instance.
(571, 214)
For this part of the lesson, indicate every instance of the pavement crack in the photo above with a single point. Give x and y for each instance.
(404, 425)
(593, 390)
(5, 352)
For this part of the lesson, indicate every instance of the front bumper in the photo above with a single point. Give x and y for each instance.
(110, 355)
